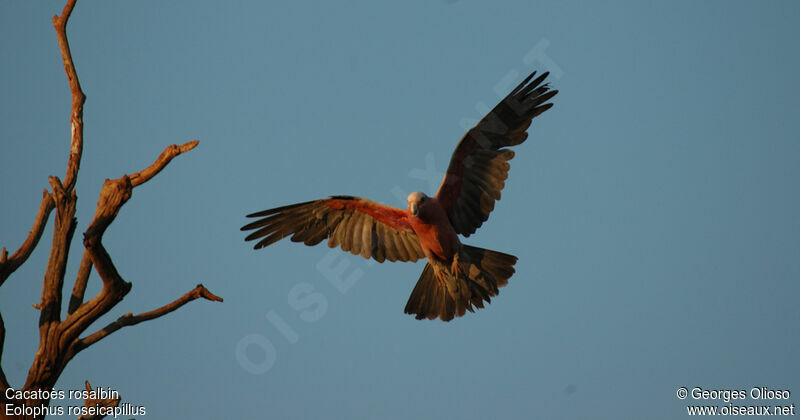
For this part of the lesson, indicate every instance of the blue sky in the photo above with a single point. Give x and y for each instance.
(654, 209)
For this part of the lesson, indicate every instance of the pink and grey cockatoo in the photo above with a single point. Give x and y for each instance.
(457, 277)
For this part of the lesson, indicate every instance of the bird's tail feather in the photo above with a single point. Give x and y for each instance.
(441, 293)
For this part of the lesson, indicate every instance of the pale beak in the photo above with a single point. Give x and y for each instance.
(414, 209)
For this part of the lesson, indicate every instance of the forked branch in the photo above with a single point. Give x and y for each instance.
(136, 179)
(60, 339)
(113, 195)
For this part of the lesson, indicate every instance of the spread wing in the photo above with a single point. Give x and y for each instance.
(479, 166)
(358, 225)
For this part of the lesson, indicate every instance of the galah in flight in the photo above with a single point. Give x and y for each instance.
(457, 277)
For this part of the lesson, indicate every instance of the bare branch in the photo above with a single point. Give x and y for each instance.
(46, 364)
(60, 340)
(78, 98)
(9, 265)
(129, 319)
(113, 195)
(63, 229)
(114, 289)
(90, 404)
(166, 156)
(79, 289)
(117, 191)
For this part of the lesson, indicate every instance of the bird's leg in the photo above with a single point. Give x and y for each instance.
(439, 271)
(455, 267)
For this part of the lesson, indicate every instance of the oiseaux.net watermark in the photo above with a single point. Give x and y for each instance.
(753, 401)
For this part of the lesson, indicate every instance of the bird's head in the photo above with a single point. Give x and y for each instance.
(417, 202)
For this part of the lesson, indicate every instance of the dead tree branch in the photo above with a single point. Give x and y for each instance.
(79, 289)
(9, 264)
(129, 319)
(163, 159)
(113, 195)
(78, 98)
(59, 340)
